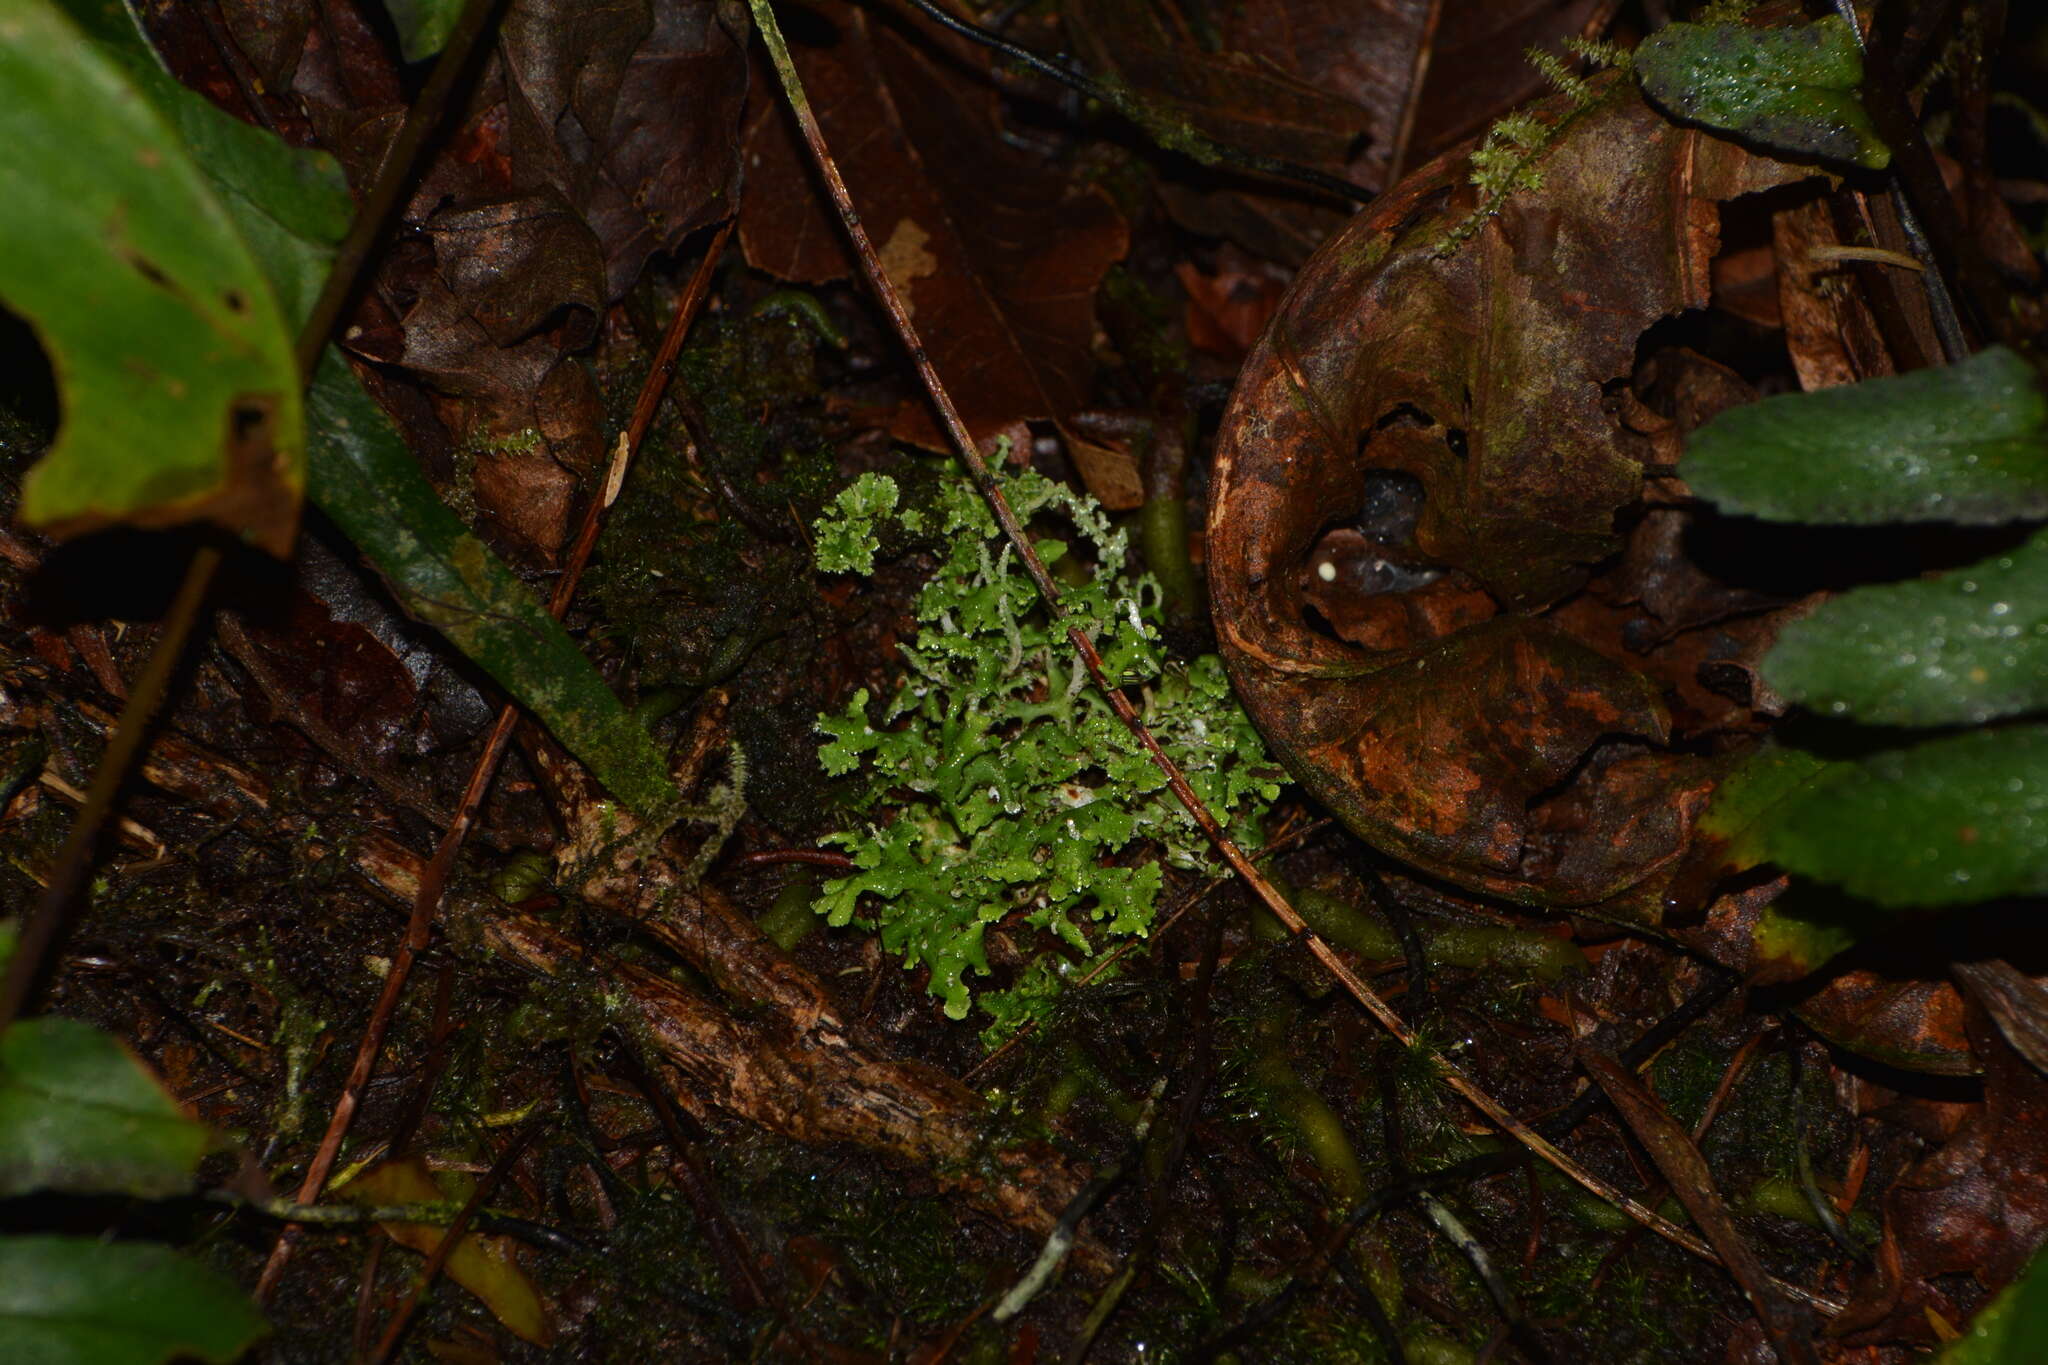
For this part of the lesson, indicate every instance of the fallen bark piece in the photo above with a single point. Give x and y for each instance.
(820, 1084)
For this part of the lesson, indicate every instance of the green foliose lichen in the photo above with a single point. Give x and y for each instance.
(1000, 788)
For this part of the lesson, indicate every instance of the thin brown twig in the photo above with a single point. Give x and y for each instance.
(45, 925)
(776, 857)
(1418, 76)
(729, 1246)
(1729, 1076)
(644, 409)
(419, 928)
(963, 444)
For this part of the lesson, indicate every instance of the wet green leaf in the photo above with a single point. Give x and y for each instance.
(2012, 1329)
(1966, 443)
(423, 25)
(81, 1301)
(1949, 822)
(1792, 90)
(365, 478)
(181, 399)
(1961, 649)
(78, 1113)
(1000, 783)
(846, 532)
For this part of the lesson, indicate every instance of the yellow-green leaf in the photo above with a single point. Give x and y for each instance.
(483, 1265)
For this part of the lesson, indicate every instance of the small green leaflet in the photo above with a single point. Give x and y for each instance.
(2012, 1329)
(79, 1114)
(1792, 90)
(1966, 443)
(1952, 821)
(423, 25)
(1961, 649)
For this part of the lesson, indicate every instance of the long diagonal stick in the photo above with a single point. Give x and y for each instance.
(963, 445)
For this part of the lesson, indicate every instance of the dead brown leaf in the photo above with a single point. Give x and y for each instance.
(1679, 1161)
(1489, 745)
(996, 256)
(1977, 1206)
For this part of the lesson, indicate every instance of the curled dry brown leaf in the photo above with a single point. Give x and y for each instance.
(1975, 1207)
(1422, 458)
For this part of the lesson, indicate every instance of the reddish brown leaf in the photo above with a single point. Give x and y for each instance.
(1977, 1206)
(1503, 754)
(1479, 70)
(1332, 84)
(631, 113)
(997, 257)
(1261, 93)
(1829, 331)
(2016, 1002)
(1228, 310)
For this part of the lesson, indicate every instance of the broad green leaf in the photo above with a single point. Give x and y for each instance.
(290, 205)
(423, 25)
(1961, 649)
(364, 477)
(78, 1113)
(1792, 90)
(1968, 443)
(81, 1301)
(181, 399)
(1949, 822)
(2012, 1329)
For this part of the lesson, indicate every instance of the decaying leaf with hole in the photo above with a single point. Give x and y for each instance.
(180, 394)
(1423, 459)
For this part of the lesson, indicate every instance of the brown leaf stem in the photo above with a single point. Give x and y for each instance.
(970, 457)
